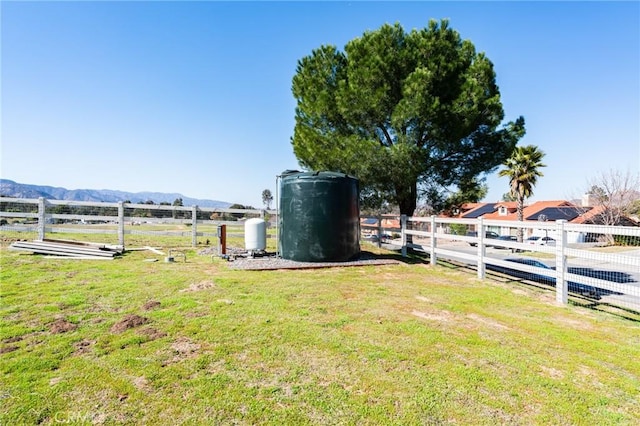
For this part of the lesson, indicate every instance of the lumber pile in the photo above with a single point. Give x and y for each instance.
(69, 249)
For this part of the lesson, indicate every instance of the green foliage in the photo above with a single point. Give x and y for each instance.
(634, 208)
(401, 111)
(599, 194)
(626, 240)
(236, 216)
(508, 196)
(267, 198)
(523, 170)
(458, 228)
(469, 191)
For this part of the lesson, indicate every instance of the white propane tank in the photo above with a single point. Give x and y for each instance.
(255, 234)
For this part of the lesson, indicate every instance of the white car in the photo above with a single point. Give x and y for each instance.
(541, 241)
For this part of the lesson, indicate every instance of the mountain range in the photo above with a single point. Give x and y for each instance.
(9, 188)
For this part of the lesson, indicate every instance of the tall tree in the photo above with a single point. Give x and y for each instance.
(523, 170)
(402, 112)
(267, 198)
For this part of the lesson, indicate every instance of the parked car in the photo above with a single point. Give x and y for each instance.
(504, 238)
(541, 241)
(488, 234)
(383, 237)
(582, 289)
(527, 275)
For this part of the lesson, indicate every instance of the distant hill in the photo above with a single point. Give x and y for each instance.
(9, 188)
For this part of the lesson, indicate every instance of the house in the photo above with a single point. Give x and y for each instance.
(388, 225)
(540, 211)
(508, 210)
(598, 216)
(475, 210)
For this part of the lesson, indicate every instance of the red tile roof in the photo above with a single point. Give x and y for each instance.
(508, 204)
(530, 210)
(588, 216)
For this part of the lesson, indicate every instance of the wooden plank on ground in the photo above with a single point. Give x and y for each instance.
(61, 249)
(65, 248)
(114, 247)
(80, 257)
(48, 251)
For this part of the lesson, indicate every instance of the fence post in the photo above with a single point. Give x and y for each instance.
(379, 231)
(403, 234)
(561, 263)
(481, 248)
(194, 225)
(42, 205)
(432, 251)
(121, 223)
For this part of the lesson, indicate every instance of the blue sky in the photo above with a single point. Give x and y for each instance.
(195, 97)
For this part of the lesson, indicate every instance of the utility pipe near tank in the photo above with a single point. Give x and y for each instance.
(222, 240)
(277, 217)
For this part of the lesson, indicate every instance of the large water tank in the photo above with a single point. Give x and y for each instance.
(255, 234)
(319, 217)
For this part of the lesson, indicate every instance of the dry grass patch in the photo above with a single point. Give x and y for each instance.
(203, 285)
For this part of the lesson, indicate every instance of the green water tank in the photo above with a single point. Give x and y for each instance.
(319, 217)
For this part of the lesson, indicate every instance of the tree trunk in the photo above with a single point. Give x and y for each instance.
(407, 202)
(520, 212)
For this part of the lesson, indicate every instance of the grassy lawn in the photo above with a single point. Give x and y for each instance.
(130, 341)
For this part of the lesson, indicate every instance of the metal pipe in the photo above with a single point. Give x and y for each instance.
(277, 217)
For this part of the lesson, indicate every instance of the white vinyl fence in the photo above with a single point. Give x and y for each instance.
(596, 261)
(44, 217)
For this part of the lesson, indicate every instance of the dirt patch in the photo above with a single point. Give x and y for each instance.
(152, 333)
(61, 326)
(129, 321)
(83, 346)
(183, 348)
(7, 349)
(203, 285)
(575, 324)
(12, 339)
(486, 321)
(142, 384)
(552, 372)
(442, 316)
(151, 304)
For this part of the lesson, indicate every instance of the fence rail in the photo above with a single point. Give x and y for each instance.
(595, 260)
(598, 260)
(122, 215)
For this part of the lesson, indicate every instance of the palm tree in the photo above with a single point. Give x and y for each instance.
(523, 170)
